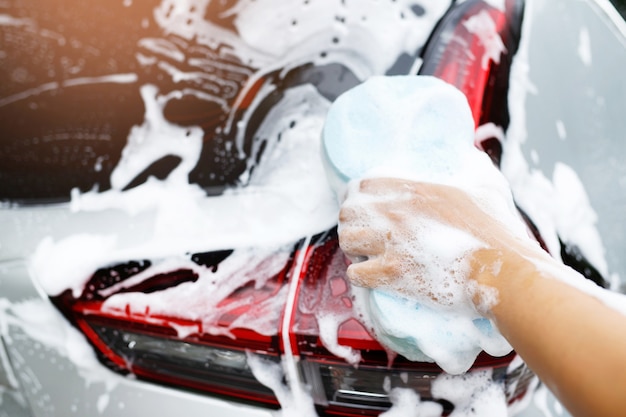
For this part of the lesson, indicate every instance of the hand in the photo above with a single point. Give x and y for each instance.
(418, 239)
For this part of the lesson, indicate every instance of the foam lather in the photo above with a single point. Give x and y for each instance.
(420, 128)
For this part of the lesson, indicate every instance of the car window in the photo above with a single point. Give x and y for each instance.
(620, 5)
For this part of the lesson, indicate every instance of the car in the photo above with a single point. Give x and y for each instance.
(169, 242)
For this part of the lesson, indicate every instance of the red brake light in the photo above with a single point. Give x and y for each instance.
(174, 349)
(456, 51)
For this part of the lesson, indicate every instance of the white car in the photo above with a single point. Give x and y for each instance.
(168, 241)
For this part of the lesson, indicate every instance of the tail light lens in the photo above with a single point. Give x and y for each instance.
(197, 364)
(180, 345)
(472, 49)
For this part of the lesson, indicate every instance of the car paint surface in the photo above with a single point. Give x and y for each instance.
(587, 98)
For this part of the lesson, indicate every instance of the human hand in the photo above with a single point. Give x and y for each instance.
(420, 239)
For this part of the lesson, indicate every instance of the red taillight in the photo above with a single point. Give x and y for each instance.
(459, 54)
(461, 63)
(199, 363)
(206, 354)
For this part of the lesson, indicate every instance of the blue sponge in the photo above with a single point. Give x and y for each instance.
(420, 128)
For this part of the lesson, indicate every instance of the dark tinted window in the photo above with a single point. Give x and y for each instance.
(620, 5)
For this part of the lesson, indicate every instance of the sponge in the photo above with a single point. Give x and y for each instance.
(419, 128)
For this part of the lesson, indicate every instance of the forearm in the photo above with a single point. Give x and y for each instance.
(573, 341)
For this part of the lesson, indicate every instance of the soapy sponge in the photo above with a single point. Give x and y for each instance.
(420, 128)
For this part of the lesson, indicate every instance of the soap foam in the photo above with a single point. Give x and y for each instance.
(406, 403)
(473, 394)
(420, 128)
(47, 328)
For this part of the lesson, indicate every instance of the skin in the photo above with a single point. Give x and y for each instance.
(573, 342)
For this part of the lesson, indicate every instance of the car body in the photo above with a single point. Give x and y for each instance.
(167, 243)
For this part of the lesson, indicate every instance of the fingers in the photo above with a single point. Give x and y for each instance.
(400, 199)
(364, 230)
(382, 186)
(358, 238)
(370, 274)
(364, 227)
(376, 215)
(392, 229)
(417, 191)
(361, 242)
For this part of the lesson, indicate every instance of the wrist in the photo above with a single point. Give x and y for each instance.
(494, 273)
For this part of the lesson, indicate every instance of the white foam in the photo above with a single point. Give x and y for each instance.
(53, 263)
(574, 217)
(293, 31)
(294, 401)
(473, 394)
(288, 188)
(202, 298)
(155, 138)
(483, 26)
(44, 324)
(406, 403)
